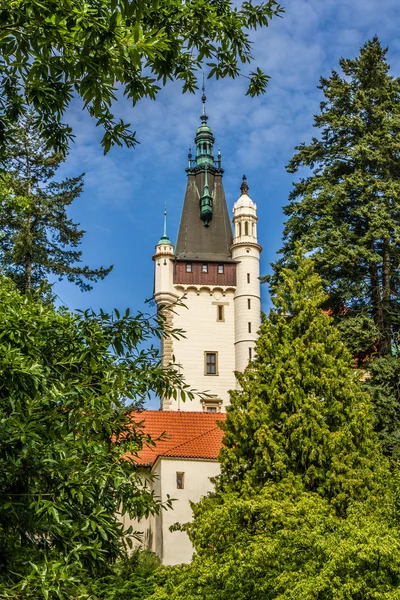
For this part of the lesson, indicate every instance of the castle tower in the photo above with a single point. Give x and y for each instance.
(246, 252)
(215, 276)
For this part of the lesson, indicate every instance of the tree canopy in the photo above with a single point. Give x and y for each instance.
(50, 52)
(38, 239)
(304, 506)
(300, 408)
(346, 211)
(67, 442)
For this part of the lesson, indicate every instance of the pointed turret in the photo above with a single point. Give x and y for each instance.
(205, 230)
(164, 292)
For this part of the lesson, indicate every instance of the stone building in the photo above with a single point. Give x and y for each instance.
(213, 273)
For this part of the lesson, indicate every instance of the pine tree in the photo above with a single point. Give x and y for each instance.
(300, 410)
(347, 211)
(38, 239)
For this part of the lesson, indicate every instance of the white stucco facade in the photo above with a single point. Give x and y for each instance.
(232, 338)
(174, 547)
(247, 302)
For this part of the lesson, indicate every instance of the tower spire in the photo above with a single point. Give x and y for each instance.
(165, 239)
(165, 220)
(204, 117)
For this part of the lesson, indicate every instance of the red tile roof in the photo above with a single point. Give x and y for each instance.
(187, 434)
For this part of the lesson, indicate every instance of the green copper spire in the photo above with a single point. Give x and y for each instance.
(165, 239)
(204, 138)
(206, 203)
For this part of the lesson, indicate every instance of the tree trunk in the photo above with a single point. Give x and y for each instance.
(386, 344)
(28, 251)
(376, 300)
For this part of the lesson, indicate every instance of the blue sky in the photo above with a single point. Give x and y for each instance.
(123, 200)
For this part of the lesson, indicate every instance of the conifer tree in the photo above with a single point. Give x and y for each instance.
(300, 410)
(346, 211)
(304, 508)
(38, 238)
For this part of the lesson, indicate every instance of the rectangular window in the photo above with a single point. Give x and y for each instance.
(249, 303)
(188, 267)
(211, 363)
(211, 409)
(220, 312)
(204, 268)
(249, 327)
(248, 277)
(250, 353)
(180, 481)
(220, 268)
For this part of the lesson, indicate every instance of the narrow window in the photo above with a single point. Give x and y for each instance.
(188, 267)
(248, 277)
(252, 229)
(246, 228)
(240, 229)
(220, 312)
(249, 303)
(211, 363)
(249, 327)
(220, 268)
(204, 268)
(250, 354)
(180, 481)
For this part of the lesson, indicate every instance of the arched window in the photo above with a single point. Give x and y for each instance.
(246, 228)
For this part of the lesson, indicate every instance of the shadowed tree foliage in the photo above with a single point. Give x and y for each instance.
(52, 51)
(304, 507)
(38, 239)
(67, 442)
(347, 210)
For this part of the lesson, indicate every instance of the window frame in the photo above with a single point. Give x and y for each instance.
(180, 475)
(220, 313)
(221, 269)
(208, 363)
(204, 268)
(189, 268)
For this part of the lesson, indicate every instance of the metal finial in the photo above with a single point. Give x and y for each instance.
(244, 188)
(203, 99)
(165, 220)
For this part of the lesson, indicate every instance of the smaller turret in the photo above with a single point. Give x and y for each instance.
(246, 252)
(164, 268)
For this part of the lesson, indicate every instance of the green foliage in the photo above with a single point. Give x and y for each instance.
(68, 382)
(133, 578)
(384, 388)
(37, 237)
(304, 508)
(286, 544)
(301, 410)
(346, 211)
(51, 51)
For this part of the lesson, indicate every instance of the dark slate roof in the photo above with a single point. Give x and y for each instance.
(194, 240)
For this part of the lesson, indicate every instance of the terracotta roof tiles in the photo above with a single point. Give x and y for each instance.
(184, 434)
